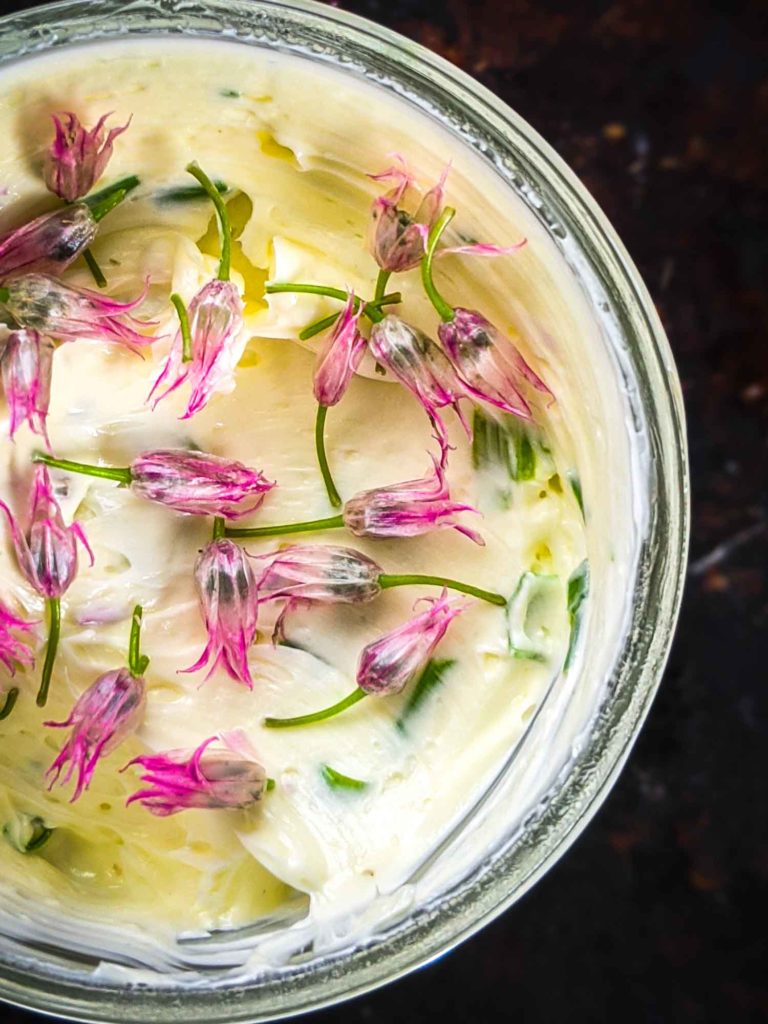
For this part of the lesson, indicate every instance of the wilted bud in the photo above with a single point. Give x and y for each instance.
(340, 357)
(27, 366)
(206, 779)
(110, 710)
(399, 237)
(420, 365)
(47, 552)
(44, 304)
(226, 590)
(489, 365)
(78, 157)
(47, 244)
(389, 663)
(217, 342)
(198, 483)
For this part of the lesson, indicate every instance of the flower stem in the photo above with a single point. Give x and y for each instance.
(5, 294)
(95, 269)
(372, 310)
(387, 580)
(312, 525)
(316, 716)
(330, 486)
(122, 476)
(54, 631)
(221, 210)
(445, 312)
(381, 284)
(106, 199)
(137, 662)
(186, 334)
(10, 702)
(219, 528)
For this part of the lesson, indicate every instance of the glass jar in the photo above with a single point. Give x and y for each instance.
(442, 909)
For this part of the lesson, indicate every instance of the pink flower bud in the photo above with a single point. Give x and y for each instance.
(216, 327)
(399, 237)
(13, 650)
(44, 304)
(109, 711)
(226, 589)
(47, 552)
(489, 365)
(340, 357)
(198, 483)
(407, 509)
(27, 365)
(47, 244)
(420, 365)
(320, 573)
(389, 663)
(208, 779)
(77, 157)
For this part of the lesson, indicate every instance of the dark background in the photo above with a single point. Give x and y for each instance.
(658, 913)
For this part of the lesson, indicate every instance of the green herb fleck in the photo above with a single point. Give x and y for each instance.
(269, 785)
(27, 833)
(188, 193)
(230, 94)
(429, 680)
(503, 442)
(578, 588)
(529, 611)
(338, 781)
(573, 480)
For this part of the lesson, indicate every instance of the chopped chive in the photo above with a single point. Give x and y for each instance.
(269, 785)
(137, 662)
(430, 679)
(525, 456)
(230, 94)
(27, 833)
(578, 588)
(337, 780)
(188, 193)
(575, 482)
(96, 272)
(9, 703)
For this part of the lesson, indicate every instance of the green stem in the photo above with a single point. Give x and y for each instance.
(330, 486)
(100, 203)
(186, 334)
(219, 528)
(10, 702)
(331, 523)
(445, 312)
(386, 580)
(5, 294)
(381, 284)
(122, 476)
(95, 269)
(221, 210)
(371, 309)
(137, 662)
(316, 716)
(54, 631)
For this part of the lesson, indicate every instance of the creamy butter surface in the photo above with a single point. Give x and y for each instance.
(294, 143)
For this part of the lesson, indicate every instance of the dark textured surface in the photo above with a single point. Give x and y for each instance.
(657, 913)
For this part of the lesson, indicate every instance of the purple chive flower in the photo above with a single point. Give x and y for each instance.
(198, 483)
(340, 356)
(209, 779)
(320, 573)
(47, 244)
(420, 365)
(407, 509)
(399, 237)
(78, 157)
(226, 589)
(13, 650)
(216, 330)
(42, 303)
(387, 664)
(489, 365)
(47, 552)
(109, 711)
(27, 365)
